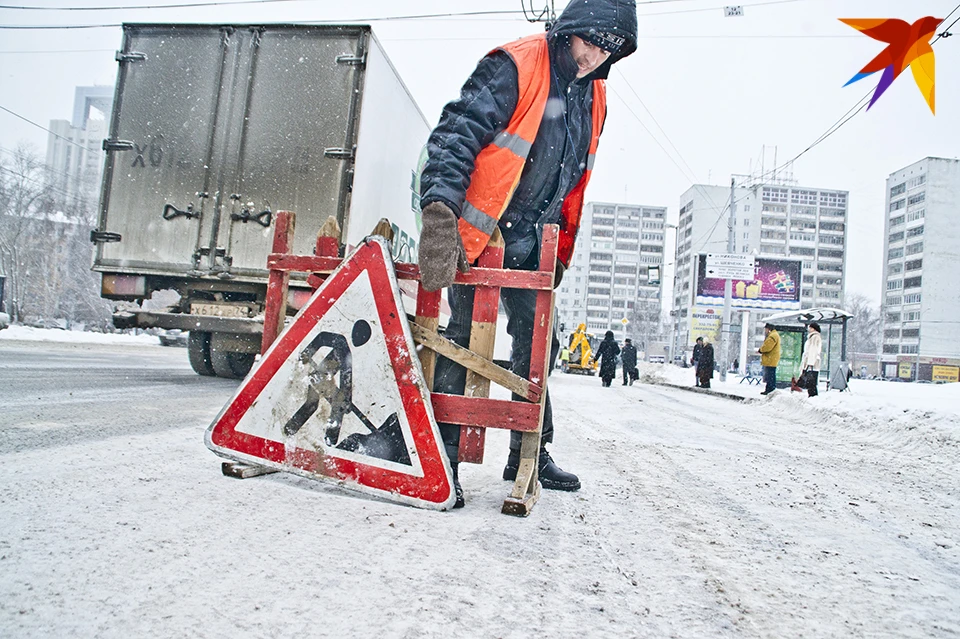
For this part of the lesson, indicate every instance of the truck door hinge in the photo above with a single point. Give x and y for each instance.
(132, 56)
(117, 145)
(103, 236)
(170, 212)
(357, 60)
(338, 153)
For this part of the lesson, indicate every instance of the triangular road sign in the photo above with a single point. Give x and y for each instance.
(340, 395)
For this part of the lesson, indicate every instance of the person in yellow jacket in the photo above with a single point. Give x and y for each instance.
(769, 358)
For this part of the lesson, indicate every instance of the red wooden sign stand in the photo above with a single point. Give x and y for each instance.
(474, 411)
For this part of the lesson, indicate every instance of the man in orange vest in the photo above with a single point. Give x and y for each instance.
(515, 151)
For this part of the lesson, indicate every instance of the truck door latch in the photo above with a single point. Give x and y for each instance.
(117, 145)
(170, 212)
(358, 60)
(132, 56)
(103, 236)
(263, 218)
(338, 153)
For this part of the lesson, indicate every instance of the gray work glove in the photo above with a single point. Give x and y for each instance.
(558, 274)
(441, 249)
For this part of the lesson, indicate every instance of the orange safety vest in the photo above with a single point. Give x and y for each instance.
(499, 165)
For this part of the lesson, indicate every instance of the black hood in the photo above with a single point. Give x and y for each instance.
(615, 16)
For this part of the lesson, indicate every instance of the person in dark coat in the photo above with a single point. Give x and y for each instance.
(628, 359)
(705, 365)
(697, 352)
(607, 354)
(515, 151)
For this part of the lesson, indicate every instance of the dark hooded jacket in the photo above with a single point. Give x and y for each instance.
(558, 156)
(607, 354)
(628, 356)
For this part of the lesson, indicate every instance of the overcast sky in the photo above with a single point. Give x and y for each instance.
(701, 98)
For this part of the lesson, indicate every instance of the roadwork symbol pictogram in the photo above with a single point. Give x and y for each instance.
(340, 395)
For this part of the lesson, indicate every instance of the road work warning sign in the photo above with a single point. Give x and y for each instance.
(340, 395)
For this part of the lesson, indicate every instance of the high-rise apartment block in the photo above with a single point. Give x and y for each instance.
(615, 272)
(75, 148)
(775, 219)
(921, 305)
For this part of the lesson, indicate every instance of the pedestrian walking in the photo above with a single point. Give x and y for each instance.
(697, 351)
(705, 364)
(628, 359)
(607, 354)
(564, 359)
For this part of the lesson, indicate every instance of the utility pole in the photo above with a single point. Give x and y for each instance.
(728, 286)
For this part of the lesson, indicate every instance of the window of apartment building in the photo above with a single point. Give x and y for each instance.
(915, 231)
(773, 194)
(772, 249)
(828, 253)
(912, 298)
(896, 221)
(806, 211)
(807, 265)
(629, 224)
(832, 239)
(628, 235)
(894, 300)
(802, 196)
(828, 281)
(916, 199)
(891, 349)
(599, 315)
(776, 235)
(602, 232)
(893, 317)
(832, 199)
(625, 281)
(892, 332)
(656, 226)
(894, 285)
(830, 268)
(802, 251)
(595, 290)
(625, 268)
(619, 304)
(911, 316)
(653, 237)
(745, 221)
(832, 226)
(896, 237)
(830, 294)
(597, 326)
(893, 254)
(898, 189)
(746, 236)
(899, 204)
(893, 269)
(808, 279)
(772, 221)
(914, 265)
(598, 279)
(649, 248)
(913, 249)
(802, 226)
(597, 301)
(799, 237)
(917, 181)
(911, 332)
(774, 208)
(832, 213)
(806, 292)
(746, 248)
(600, 257)
(909, 349)
(912, 282)
(916, 215)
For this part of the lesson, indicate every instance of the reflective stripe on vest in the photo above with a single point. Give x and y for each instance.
(499, 165)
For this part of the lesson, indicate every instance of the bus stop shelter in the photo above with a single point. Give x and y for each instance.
(833, 330)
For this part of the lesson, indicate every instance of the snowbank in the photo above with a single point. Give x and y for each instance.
(29, 334)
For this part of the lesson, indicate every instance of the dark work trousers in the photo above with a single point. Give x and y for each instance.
(770, 377)
(451, 377)
(813, 378)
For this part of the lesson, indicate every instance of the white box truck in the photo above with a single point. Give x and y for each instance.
(217, 127)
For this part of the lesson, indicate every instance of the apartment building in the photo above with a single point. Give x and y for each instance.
(921, 305)
(773, 219)
(75, 148)
(616, 271)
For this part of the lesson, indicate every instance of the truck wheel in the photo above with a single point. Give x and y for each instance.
(230, 364)
(198, 349)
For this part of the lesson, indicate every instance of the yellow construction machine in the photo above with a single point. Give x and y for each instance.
(581, 353)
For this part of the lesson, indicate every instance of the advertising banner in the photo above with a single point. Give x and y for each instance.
(775, 286)
(905, 370)
(945, 373)
(705, 322)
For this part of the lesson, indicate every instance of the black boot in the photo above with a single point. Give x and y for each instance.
(454, 466)
(551, 475)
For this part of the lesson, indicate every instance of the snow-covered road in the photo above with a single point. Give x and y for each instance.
(699, 517)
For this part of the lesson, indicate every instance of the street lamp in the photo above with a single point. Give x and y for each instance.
(674, 313)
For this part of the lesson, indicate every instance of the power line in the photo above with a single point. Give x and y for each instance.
(17, 115)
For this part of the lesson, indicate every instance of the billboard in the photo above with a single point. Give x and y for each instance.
(705, 322)
(775, 286)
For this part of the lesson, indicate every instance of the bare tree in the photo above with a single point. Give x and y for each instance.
(863, 331)
(44, 246)
(646, 321)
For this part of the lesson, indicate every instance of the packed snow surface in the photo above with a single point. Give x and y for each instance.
(699, 516)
